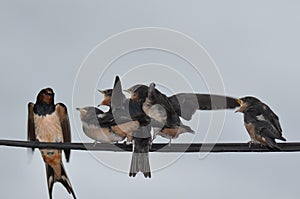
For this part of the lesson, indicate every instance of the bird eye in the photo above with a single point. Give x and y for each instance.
(49, 94)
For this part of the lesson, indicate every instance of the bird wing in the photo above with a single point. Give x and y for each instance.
(30, 123)
(117, 97)
(263, 125)
(272, 117)
(157, 98)
(267, 130)
(136, 113)
(186, 104)
(62, 112)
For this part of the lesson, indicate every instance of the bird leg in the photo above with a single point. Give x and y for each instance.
(155, 132)
(95, 143)
(169, 144)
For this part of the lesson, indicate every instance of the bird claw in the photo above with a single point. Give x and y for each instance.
(127, 142)
(250, 143)
(169, 144)
(253, 143)
(95, 143)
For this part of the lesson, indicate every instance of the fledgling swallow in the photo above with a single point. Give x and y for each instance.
(261, 122)
(141, 138)
(169, 133)
(49, 122)
(186, 104)
(103, 128)
(158, 107)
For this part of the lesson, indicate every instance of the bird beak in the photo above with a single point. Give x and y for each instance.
(78, 109)
(102, 92)
(128, 91)
(241, 103)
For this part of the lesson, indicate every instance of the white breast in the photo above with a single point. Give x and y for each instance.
(104, 135)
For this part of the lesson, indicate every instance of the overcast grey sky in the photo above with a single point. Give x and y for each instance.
(255, 45)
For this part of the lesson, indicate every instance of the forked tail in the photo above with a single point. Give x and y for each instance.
(140, 157)
(63, 180)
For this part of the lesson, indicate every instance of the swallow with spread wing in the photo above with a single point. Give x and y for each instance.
(49, 122)
(184, 104)
(121, 107)
(261, 122)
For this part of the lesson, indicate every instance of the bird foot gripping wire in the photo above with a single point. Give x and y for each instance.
(95, 143)
(169, 143)
(252, 144)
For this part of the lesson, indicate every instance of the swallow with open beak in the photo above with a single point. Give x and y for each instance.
(261, 122)
(49, 122)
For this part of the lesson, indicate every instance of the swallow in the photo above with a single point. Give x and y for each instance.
(170, 131)
(186, 104)
(49, 122)
(261, 123)
(158, 107)
(141, 138)
(103, 128)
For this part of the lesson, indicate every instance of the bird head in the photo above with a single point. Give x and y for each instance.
(88, 110)
(46, 96)
(138, 92)
(107, 97)
(246, 102)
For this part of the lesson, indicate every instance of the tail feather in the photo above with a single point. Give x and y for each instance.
(271, 144)
(64, 180)
(140, 163)
(140, 157)
(282, 138)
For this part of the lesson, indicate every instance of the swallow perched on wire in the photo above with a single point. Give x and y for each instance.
(169, 133)
(158, 107)
(186, 104)
(103, 128)
(49, 122)
(261, 122)
(141, 138)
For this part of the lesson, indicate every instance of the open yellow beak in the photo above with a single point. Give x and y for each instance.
(239, 101)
